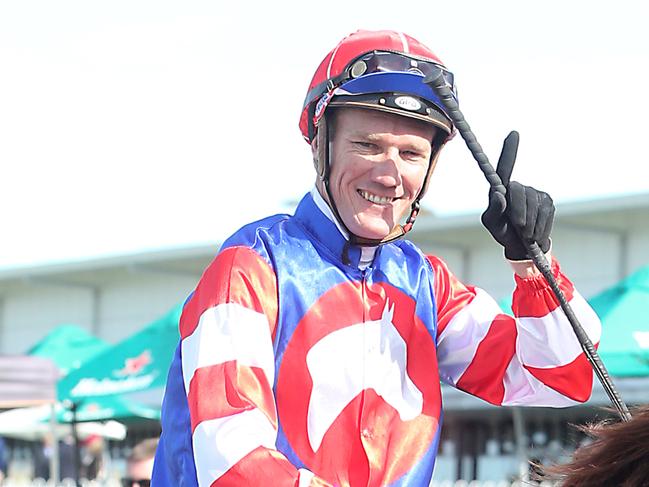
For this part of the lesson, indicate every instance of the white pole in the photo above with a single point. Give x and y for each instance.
(521, 447)
(54, 459)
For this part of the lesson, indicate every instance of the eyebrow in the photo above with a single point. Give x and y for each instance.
(363, 136)
(377, 138)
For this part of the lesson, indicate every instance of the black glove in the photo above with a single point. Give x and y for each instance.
(522, 211)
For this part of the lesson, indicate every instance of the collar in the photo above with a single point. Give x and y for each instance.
(327, 211)
(315, 215)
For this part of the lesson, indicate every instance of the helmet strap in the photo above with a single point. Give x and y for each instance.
(321, 159)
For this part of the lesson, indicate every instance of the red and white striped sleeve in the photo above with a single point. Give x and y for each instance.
(228, 365)
(533, 359)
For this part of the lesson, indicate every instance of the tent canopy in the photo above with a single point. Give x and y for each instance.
(138, 363)
(68, 346)
(624, 311)
(108, 407)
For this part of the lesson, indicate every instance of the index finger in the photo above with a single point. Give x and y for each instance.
(507, 157)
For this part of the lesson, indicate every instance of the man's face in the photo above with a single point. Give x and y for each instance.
(139, 470)
(378, 166)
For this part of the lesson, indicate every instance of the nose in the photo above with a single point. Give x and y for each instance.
(387, 170)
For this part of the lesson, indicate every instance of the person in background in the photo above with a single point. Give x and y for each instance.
(4, 467)
(43, 453)
(93, 458)
(139, 464)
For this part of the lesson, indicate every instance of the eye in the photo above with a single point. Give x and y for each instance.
(412, 155)
(365, 146)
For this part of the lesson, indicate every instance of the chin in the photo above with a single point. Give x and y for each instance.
(372, 232)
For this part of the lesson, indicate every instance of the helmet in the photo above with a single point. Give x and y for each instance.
(377, 70)
(372, 63)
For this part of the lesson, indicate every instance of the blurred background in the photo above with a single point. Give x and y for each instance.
(136, 136)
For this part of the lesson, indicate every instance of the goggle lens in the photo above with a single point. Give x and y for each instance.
(381, 61)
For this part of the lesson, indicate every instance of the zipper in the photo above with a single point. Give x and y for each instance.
(363, 351)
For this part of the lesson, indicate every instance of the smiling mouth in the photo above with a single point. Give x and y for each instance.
(373, 198)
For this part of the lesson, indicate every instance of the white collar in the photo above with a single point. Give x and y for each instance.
(367, 252)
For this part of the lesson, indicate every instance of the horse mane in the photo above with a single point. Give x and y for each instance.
(618, 455)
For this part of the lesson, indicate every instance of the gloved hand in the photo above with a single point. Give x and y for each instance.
(522, 211)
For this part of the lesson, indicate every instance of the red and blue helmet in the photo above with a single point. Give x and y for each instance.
(376, 70)
(379, 70)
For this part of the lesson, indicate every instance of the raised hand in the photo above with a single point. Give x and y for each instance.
(522, 214)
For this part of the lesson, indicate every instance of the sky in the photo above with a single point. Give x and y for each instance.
(128, 126)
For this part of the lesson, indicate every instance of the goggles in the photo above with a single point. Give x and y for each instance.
(388, 61)
(385, 62)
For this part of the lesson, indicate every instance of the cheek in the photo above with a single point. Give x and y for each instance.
(413, 179)
(346, 173)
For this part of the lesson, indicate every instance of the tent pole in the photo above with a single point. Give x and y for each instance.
(54, 459)
(77, 444)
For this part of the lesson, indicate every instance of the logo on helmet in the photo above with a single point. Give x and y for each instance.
(321, 106)
(407, 103)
